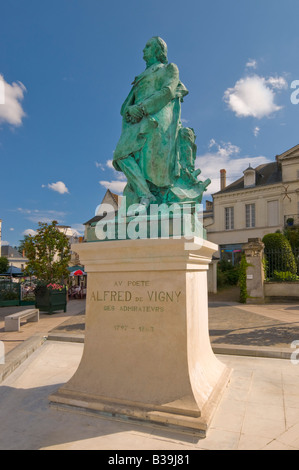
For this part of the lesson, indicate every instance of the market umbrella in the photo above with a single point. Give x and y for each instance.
(79, 272)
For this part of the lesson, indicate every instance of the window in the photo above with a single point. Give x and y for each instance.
(229, 218)
(231, 253)
(250, 215)
(273, 215)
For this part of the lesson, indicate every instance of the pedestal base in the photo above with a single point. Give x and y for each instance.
(176, 416)
(147, 353)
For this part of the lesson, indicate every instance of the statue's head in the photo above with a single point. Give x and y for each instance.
(155, 48)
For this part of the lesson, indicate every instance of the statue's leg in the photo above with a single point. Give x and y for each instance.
(135, 178)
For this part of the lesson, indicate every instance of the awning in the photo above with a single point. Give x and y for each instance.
(13, 271)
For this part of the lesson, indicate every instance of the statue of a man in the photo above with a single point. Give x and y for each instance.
(147, 151)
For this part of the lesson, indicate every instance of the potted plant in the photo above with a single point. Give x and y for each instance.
(290, 222)
(50, 297)
(48, 254)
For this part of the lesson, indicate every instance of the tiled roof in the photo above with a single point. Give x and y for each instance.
(268, 173)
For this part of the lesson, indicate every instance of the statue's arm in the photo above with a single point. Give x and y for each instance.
(167, 92)
(128, 101)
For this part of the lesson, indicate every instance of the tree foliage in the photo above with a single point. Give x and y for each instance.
(4, 265)
(48, 253)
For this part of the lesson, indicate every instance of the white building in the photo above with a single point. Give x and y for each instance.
(15, 258)
(111, 202)
(263, 201)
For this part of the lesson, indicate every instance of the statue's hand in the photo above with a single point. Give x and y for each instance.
(134, 113)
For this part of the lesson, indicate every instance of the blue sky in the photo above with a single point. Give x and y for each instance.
(66, 67)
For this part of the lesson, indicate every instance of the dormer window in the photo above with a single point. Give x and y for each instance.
(249, 177)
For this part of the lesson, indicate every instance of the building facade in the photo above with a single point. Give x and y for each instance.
(264, 200)
(110, 204)
(15, 258)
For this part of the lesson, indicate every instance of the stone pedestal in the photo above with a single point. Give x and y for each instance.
(255, 276)
(147, 352)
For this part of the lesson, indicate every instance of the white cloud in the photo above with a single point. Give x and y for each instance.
(59, 187)
(256, 131)
(114, 186)
(254, 96)
(109, 164)
(11, 110)
(225, 156)
(78, 229)
(116, 174)
(45, 216)
(29, 231)
(251, 63)
(277, 82)
(3, 243)
(100, 165)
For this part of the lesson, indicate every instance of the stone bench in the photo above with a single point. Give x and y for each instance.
(13, 322)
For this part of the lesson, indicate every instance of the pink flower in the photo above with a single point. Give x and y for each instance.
(54, 286)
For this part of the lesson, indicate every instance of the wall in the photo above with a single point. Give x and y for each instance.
(238, 199)
(212, 277)
(287, 290)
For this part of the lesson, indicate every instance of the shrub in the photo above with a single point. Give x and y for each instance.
(279, 254)
(243, 279)
(10, 295)
(284, 276)
(227, 275)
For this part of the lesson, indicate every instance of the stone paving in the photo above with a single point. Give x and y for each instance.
(259, 410)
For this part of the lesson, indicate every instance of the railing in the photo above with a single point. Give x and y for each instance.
(9, 293)
(291, 220)
(281, 268)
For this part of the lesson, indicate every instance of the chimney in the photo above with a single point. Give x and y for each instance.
(222, 179)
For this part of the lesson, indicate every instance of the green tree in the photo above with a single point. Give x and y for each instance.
(21, 246)
(48, 253)
(4, 265)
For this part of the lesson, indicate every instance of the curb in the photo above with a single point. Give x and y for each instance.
(74, 338)
(225, 349)
(19, 354)
(271, 353)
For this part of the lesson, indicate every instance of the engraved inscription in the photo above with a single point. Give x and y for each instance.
(134, 296)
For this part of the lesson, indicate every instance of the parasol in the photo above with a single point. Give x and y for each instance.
(79, 272)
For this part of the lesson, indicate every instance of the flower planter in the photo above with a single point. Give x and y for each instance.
(50, 301)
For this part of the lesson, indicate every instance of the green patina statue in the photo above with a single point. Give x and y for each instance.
(155, 152)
